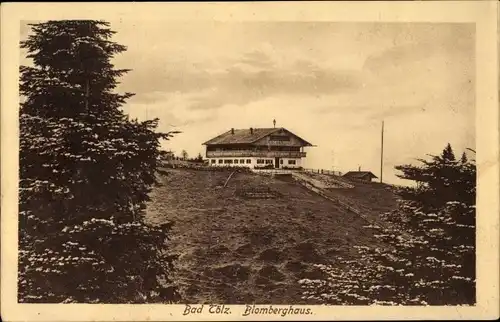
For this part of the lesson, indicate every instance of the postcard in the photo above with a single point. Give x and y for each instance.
(250, 161)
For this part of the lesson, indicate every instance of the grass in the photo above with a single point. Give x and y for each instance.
(372, 197)
(237, 250)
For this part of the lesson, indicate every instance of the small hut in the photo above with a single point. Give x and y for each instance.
(366, 176)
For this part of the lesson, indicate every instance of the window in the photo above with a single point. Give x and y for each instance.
(279, 138)
(281, 161)
(249, 161)
(228, 161)
(242, 161)
(260, 161)
(212, 161)
(291, 161)
(269, 161)
(236, 161)
(220, 161)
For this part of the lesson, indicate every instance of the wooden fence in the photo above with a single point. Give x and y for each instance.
(202, 167)
(324, 171)
(331, 198)
(272, 171)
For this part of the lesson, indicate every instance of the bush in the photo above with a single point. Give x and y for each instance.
(433, 266)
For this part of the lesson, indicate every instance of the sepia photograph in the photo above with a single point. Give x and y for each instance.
(270, 165)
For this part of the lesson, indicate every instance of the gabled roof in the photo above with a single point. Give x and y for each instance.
(246, 136)
(359, 174)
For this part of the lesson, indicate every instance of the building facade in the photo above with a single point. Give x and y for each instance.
(275, 148)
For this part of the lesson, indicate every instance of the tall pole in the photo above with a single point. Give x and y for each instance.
(333, 160)
(382, 154)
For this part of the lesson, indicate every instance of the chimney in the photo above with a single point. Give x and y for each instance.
(232, 130)
(359, 169)
(251, 130)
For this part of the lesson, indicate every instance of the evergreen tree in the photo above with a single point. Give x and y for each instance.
(447, 153)
(463, 159)
(439, 180)
(429, 256)
(85, 175)
(429, 259)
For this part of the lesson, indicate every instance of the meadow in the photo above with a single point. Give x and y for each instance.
(234, 249)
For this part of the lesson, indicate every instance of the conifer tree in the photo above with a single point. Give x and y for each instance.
(448, 153)
(85, 175)
(463, 159)
(429, 253)
(439, 180)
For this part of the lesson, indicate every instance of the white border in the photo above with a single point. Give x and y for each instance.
(483, 13)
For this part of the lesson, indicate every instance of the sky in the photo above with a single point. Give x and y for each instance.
(331, 83)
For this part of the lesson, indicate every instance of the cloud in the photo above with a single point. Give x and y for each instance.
(421, 71)
(252, 76)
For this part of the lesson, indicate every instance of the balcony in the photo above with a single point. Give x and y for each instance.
(258, 154)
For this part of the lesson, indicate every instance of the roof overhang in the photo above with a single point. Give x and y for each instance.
(257, 139)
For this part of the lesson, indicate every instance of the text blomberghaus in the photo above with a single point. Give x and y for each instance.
(249, 310)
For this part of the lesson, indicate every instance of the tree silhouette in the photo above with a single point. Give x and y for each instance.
(439, 180)
(447, 153)
(85, 175)
(429, 252)
(464, 158)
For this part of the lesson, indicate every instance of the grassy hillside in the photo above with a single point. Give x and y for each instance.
(239, 250)
(372, 198)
